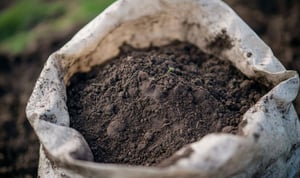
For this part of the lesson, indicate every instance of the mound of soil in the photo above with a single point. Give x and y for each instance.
(276, 22)
(146, 104)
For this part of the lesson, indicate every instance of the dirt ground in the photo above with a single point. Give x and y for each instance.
(19, 146)
(277, 22)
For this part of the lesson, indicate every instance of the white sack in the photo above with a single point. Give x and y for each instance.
(269, 145)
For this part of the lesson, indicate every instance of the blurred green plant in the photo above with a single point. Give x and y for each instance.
(26, 21)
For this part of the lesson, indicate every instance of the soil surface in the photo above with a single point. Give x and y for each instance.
(146, 104)
(277, 22)
(19, 147)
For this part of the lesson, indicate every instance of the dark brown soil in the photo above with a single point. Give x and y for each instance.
(277, 22)
(18, 144)
(19, 147)
(147, 104)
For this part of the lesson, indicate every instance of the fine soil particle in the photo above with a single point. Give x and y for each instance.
(221, 42)
(144, 105)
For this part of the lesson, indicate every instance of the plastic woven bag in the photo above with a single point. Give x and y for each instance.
(270, 140)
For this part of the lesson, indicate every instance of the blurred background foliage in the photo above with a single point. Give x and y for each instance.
(23, 22)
